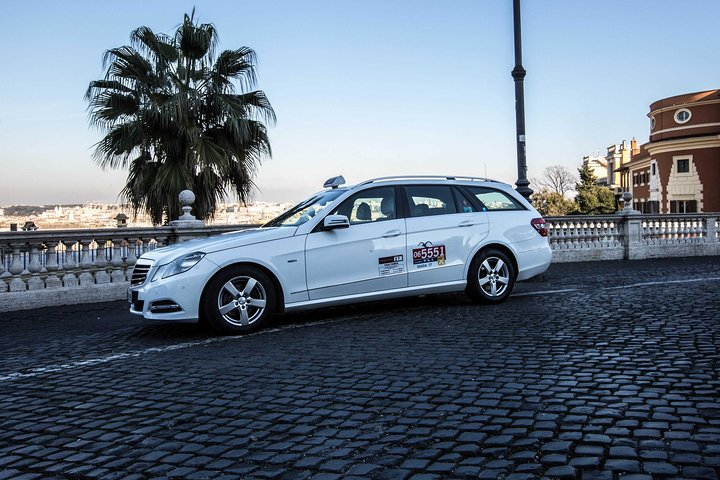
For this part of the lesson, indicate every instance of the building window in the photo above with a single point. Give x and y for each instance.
(652, 123)
(683, 115)
(683, 206)
(683, 165)
(653, 169)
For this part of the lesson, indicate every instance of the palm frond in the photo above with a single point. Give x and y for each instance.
(238, 65)
(157, 45)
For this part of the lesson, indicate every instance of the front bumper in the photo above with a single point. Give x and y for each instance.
(175, 298)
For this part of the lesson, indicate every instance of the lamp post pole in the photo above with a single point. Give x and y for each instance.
(518, 73)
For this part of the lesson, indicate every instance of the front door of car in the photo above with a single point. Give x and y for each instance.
(368, 256)
(443, 227)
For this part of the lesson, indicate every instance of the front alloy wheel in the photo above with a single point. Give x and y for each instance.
(238, 300)
(491, 277)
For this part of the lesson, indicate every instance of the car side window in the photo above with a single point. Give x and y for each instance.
(372, 205)
(492, 199)
(426, 200)
(462, 202)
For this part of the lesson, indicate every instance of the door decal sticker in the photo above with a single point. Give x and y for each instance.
(428, 255)
(391, 265)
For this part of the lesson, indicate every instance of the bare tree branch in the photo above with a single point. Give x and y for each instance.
(558, 179)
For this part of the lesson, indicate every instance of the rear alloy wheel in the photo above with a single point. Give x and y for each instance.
(238, 300)
(491, 277)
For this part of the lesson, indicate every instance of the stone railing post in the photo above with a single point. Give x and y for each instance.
(633, 238)
(712, 238)
(711, 229)
(633, 229)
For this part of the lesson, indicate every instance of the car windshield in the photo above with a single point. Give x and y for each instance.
(305, 210)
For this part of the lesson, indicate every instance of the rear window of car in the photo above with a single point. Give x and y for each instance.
(426, 200)
(492, 199)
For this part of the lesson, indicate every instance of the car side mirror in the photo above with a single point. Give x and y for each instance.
(331, 222)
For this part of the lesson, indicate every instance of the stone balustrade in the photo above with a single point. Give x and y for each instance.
(633, 236)
(55, 267)
(58, 267)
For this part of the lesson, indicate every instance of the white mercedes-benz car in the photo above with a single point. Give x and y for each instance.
(380, 239)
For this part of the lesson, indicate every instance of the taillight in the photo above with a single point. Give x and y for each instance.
(539, 224)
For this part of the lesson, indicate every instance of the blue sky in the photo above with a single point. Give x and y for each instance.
(365, 88)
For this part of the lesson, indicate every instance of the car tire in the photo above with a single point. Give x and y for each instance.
(238, 300)
(491, 277)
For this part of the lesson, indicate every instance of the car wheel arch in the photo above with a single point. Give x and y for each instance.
(279, 293)
(498, 246)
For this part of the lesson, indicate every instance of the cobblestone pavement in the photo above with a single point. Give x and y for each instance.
(595, 371)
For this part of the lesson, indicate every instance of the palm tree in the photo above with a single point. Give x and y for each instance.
(179, 117)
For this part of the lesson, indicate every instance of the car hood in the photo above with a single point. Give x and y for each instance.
(216, 243)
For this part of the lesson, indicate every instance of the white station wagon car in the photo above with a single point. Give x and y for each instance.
(380, 239)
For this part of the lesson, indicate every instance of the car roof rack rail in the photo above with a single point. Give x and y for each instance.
(428, 177)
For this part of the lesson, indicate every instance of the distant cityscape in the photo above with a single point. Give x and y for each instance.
(105, 215)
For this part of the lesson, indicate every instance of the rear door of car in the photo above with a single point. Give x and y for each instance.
(443, 227)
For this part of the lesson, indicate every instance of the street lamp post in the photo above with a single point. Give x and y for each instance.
(518, 73)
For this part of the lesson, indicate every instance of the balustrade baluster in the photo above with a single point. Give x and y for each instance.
(52, 265)
(117, 274)
(17, 268)
(4, 274)
(34, 267)
(555, 236)
(70, 279)
(132, 251)
(595, 234)
(101, 275)
(656, 232)
(581, 234)
(562, 234)
(613, 234)
(132, 257)
(86, 263)
(673, 231)
(685, 224)
(577, 230)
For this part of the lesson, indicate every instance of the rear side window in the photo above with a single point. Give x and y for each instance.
(495, 199)
(426, 200)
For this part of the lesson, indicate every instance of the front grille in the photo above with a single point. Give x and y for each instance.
(139, 274)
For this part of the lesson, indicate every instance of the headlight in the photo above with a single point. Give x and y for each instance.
(179, 265)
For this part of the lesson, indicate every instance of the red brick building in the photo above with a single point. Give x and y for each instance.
(678, 170)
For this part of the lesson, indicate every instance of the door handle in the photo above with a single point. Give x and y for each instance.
(391, 233)
(467, 223)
